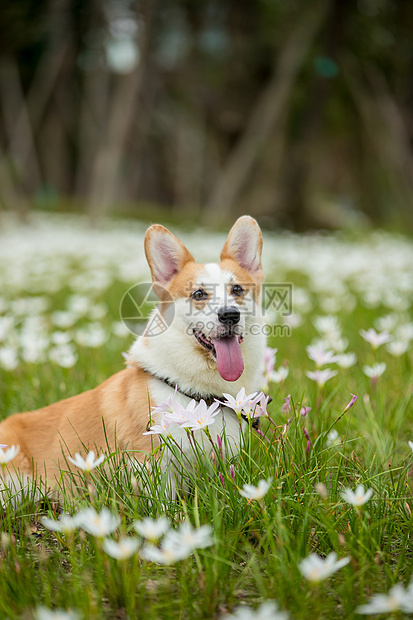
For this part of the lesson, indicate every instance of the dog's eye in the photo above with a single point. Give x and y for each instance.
(199, 294)
(237, 290)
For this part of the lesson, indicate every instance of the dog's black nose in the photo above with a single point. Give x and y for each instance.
(229, 316)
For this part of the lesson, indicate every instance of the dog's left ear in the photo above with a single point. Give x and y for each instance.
(244, 245)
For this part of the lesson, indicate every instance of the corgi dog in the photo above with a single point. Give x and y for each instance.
(213, 344)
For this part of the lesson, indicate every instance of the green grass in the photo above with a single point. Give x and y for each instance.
(257, 545)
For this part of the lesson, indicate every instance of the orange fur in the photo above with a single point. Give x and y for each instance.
(118, 408)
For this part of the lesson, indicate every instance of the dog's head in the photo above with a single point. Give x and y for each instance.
(216, 305)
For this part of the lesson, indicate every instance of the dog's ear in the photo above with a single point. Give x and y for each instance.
(165, 254)
(244, 245)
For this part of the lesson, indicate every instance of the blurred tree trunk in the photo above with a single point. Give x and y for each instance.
(25, 175)
(122, 108)
(269, 108)
(47, 71)
(92, 117)
(187, 160)
(11, 194)
(302, 157)
(387, 134)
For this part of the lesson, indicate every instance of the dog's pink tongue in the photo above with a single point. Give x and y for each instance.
(229, 358)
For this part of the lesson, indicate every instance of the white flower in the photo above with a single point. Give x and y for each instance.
(256, 406)
(65, 524)
(79, 304)
(321, 376)
(188, 536)
(397, 347)
(266, 611)
(398, 599)
(241, 402)
(411, 445)
(122, 549)
(90, 463)
(177, 544)
(293, 320)
(92, 336)
(375, 371)
(168, 406)
(374, 338)
(98, 311)
(260, 409)
(346, 360)
(7, 455)
(258, 492)
(405, 332)
(339, 345)
(357, 497)
(152, 529)
(278, 376)
(387, 323)
(202, 416)
(61, 338)
(42, 613)
(8, 358)
(6, 325)
(327, 324)
(98, 524)
(120, 330)
(314, 568)
(320, 355)
(179, 416)
(332, 437)
(63, 319)
(270, 355)
(169, 552)
(63, 355)
(34, 352)
(159, 429)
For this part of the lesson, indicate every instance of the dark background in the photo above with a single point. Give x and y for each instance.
(298, 112)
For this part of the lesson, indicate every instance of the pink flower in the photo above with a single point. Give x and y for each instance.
(168, 406)
(286, 408)
(268, 367)
(261, 408)
(309, 444)
(269, 360)
(351, 403)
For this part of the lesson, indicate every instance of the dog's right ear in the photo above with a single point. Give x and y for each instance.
(165, 254)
